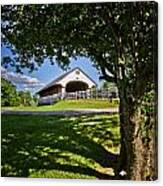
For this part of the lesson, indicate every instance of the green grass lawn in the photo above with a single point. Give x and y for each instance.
(60, 147)
(69, 105)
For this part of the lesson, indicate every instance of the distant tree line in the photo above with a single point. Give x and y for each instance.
(11, 97)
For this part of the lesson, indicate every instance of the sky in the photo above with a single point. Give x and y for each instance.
(46, 73)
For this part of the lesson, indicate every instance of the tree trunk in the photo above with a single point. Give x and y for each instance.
(138, 155)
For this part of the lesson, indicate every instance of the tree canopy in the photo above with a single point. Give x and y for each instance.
(111, 34)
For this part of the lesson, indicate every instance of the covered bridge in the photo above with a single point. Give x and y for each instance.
(70, 82)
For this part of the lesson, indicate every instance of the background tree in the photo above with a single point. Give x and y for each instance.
(25, 98)
(110, 86)
(9, 96)
(118, 37)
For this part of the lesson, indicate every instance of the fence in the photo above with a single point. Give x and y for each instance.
(88, 94)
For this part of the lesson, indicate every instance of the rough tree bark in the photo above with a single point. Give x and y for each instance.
(138, 155)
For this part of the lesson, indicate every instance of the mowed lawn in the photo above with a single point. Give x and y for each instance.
(69, 105)
(60, 147)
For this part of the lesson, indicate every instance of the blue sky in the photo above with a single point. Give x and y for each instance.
(46, 73)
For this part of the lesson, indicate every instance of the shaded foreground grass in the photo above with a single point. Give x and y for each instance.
(60, 147)
(69, 105)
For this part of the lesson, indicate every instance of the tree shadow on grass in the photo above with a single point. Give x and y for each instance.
(69, 144)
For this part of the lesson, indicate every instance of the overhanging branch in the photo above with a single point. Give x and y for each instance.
(106, 76)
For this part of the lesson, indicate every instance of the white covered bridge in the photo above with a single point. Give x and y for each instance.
(74, 83)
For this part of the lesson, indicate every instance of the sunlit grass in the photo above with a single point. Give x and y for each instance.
(59, 147)
(69, 105)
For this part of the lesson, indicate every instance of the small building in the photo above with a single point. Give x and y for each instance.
(70, 82)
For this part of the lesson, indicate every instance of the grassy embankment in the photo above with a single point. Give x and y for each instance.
(69, 105)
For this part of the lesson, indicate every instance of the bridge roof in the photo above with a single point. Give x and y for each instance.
(57, 80)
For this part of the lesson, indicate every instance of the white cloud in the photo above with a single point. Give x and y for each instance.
(26, 82)
(33, 85)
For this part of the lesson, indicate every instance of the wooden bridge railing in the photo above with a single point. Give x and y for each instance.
(88, 94)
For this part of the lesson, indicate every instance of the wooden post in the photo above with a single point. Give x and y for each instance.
(76, 94)
(96, 93)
